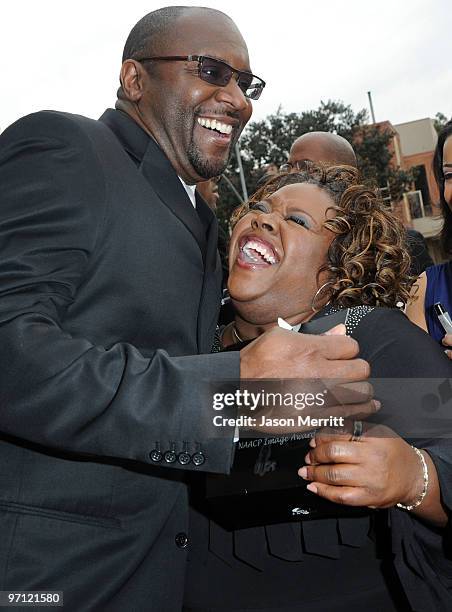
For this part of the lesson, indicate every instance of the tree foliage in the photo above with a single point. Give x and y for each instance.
(440, 121)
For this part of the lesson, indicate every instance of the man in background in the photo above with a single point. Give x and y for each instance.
(323, 147)
(208, 190)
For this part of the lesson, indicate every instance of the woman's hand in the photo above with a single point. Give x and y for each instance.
(447, 341)
(377, 470)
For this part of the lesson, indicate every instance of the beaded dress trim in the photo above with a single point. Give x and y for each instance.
(354, 316)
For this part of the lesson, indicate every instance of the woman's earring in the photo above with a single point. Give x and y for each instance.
(319, 290)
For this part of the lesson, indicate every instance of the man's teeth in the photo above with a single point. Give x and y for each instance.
(261, 249)
(213, 124)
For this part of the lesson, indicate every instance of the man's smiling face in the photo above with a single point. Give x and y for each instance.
(196, 123)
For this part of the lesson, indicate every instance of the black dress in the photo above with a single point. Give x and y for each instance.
(381, 562)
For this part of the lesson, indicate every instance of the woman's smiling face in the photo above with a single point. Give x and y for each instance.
(276, 251)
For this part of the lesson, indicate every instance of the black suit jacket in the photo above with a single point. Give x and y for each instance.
(109, 293)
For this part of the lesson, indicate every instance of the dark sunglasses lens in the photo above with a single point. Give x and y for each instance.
(254, 88)
(244, 81)
(219, 73)
(215, 72)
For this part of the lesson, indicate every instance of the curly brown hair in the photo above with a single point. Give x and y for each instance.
(367, 262)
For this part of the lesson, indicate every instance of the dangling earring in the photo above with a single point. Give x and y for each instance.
(319, 290)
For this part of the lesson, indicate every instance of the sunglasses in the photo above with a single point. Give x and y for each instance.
(217, 72)
(300, 165)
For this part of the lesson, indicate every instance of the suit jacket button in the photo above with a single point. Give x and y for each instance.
(170, 456)
(184, 458)
(198, 459)
(155, 455)
(181, 540)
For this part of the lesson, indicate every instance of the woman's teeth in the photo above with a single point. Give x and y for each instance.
(259, 248)
(213, 124)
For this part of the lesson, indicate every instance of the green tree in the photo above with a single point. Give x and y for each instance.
(440, 121)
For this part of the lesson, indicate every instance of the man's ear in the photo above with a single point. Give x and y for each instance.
(132, 80)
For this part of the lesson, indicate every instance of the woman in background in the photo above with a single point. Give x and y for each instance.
(435, 284)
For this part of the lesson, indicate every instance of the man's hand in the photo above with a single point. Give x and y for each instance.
(323, 367)
(280, 353)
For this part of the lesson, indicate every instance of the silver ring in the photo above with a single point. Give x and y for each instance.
(357, 431)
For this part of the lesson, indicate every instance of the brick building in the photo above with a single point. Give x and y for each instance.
(412, 147)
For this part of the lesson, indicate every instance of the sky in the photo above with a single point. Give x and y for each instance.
(66, 55)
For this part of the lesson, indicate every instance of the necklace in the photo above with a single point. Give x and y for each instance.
(235, 334)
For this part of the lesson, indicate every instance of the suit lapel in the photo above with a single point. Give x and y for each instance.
(201, 223)
(165, 182)
(158, 171)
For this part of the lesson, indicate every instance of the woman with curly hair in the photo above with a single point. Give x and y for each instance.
(435, 284)
(306, 247)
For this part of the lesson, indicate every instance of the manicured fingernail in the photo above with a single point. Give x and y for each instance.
(311, 486)
(377, 404)
(338, 330)
(307, 459)
(312, 443)
(303, 472)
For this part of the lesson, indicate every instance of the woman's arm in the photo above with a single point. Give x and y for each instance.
(415, 308)
(380, 470)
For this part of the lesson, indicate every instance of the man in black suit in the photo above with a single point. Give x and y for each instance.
(109, 294)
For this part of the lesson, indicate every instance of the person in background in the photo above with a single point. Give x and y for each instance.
(331, 148)
(317, 147)
(208, 190)
(417, 248)
(435, 284)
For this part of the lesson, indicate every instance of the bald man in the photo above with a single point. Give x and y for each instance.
(320, 147)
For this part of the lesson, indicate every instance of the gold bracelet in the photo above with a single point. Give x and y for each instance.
(421, 497)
